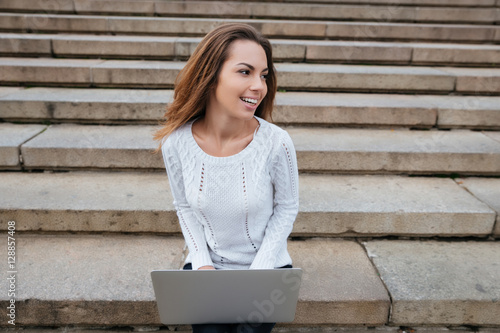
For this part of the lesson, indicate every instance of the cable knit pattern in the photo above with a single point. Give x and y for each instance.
(235, 212)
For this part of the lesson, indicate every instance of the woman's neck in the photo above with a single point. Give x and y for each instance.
(223, 136)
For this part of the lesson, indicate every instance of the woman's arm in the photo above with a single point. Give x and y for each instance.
(285, 178)
(192, 229)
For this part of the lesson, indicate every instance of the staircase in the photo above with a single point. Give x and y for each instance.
(394, 110)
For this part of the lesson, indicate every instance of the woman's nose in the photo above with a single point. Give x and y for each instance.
(258, 83)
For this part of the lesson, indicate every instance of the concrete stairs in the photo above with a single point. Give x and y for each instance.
(394, 110)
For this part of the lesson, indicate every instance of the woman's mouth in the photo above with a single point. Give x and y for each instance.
(250, 101)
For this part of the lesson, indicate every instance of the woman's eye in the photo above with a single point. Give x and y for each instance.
(264, 76)
(246, 72)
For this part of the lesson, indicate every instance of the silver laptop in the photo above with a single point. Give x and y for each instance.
(226, 296)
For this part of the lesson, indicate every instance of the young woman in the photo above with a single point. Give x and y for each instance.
(233, 175)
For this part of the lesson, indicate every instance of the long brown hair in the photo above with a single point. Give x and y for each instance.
(198, 79)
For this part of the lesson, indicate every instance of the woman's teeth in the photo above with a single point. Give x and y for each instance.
(249, 100)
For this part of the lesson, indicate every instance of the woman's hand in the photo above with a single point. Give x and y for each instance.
(206, 267)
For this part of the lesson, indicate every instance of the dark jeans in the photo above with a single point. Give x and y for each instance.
(232, 328)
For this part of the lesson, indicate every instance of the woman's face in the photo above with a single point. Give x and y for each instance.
(241, 84)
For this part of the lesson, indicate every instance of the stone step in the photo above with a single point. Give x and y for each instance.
(434, 3)
(71, 146)
(279, 328)
(487, 191)
(181, 26)
(302, 11)
(104, 280)
(306, 77)
(11, 139)
(149, 7)
(139, 106)
(440, 283)
(360, 206)
(177, 48)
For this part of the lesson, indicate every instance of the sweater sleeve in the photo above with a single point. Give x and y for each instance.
(192, 229)
(284, 175)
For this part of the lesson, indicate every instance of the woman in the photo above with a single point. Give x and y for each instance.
(233, 175)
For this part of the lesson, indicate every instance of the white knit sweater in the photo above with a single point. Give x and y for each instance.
(235, 212)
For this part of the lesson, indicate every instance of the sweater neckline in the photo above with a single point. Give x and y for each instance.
(224, 159)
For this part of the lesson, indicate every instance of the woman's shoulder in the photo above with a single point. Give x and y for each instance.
(274, 134)
(177, 137)
(271, 129)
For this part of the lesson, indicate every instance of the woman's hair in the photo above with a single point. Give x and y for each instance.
(198, 79)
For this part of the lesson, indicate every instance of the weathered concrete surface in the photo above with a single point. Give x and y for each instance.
(82, 105)
(440, 283)
(4, 91)
(488, 191)
(372, 78)
(15, 22)
(352, 109)
(353, 51)
(339, 284)
(24, 44)
(456, 15)
(288, 50)
(330, 205)
(76, 146)
(162, 26)
(451, 3)
(104, 280)
(322, 149)
(136, 73)
(280, 328)
(46, 71)
(88, 202)
(476, 80)
(118, 105)
(65, 23)
(402, 31)
(389, 205)
(12, 136)
(88, 279)
(147, 106)
(114, 7)
(336, 12)
(283, 50)
(455, 53)
(203, 8)
(318, 149)
(68, 4)
(114, 46)
(301, 11)
(465, 111)
(59, 6)
(270, 28)
(494, 135)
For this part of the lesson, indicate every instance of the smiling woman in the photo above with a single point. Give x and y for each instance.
(198, 79)
(241, 87)
(233, 174)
